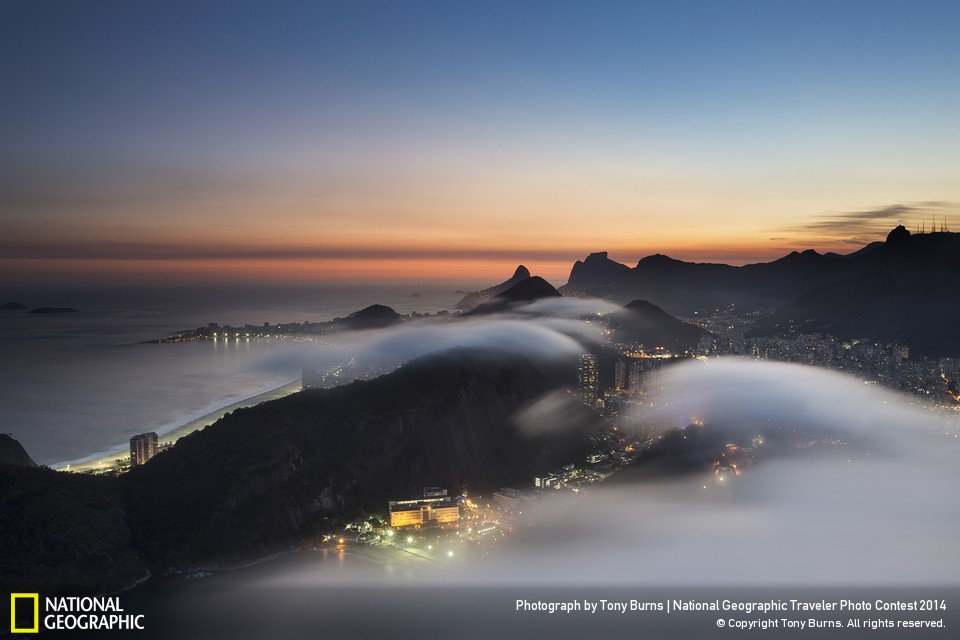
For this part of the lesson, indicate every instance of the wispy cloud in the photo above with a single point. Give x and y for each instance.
(868, 225)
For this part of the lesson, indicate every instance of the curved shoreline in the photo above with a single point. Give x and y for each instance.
(106, 459)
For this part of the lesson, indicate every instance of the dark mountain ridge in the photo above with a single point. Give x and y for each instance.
(64, 533)
(267, 474)
(594, 271)
(645, 323)
(905, 288)
(12, 453)
(684, 287)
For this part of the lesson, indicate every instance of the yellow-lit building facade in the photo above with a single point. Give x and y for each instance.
(413, 513)
(406, 518)
(445, 514)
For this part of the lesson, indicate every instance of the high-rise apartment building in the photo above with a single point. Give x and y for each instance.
(588, 379)
(620, 375)
(142, 448)
(634, 376)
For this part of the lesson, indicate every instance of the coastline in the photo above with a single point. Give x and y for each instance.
(105, 459)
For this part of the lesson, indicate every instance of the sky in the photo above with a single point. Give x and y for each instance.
(360, 140)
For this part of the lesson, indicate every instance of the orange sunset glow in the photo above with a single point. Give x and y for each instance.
(448, 147)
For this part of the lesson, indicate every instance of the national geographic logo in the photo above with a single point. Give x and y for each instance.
(24, 613)
(70, 613)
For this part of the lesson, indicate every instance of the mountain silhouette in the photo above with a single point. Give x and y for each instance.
(476, 298)
(595, 270)
(376, 316)
(12, 453)
(527, 290)
(906, 288)
(645, 323)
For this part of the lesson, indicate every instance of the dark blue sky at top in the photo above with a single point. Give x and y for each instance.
(129, 79)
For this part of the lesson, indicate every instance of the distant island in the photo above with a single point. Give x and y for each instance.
(18, 306)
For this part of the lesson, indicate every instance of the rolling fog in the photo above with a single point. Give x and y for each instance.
(889, 515)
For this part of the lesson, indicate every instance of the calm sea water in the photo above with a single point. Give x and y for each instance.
(75, 384)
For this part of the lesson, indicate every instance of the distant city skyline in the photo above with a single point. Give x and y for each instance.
(377, 141)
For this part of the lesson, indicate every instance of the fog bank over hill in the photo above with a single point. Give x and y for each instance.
(546, 329)
(884, 515)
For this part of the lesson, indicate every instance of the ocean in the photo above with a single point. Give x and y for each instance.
(73, 385)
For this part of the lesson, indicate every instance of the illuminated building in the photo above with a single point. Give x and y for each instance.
(418, 511)
(406, 517)
(634, 375)
(588, 383)
(620, 375)
(513, 500)
(545, 482)
(142, 448)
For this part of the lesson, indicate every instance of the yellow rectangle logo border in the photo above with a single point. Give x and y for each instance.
(13, 612)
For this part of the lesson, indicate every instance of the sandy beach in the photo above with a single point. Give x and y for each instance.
(121, 456)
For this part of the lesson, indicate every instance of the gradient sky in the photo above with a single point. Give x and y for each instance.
(284, 141)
